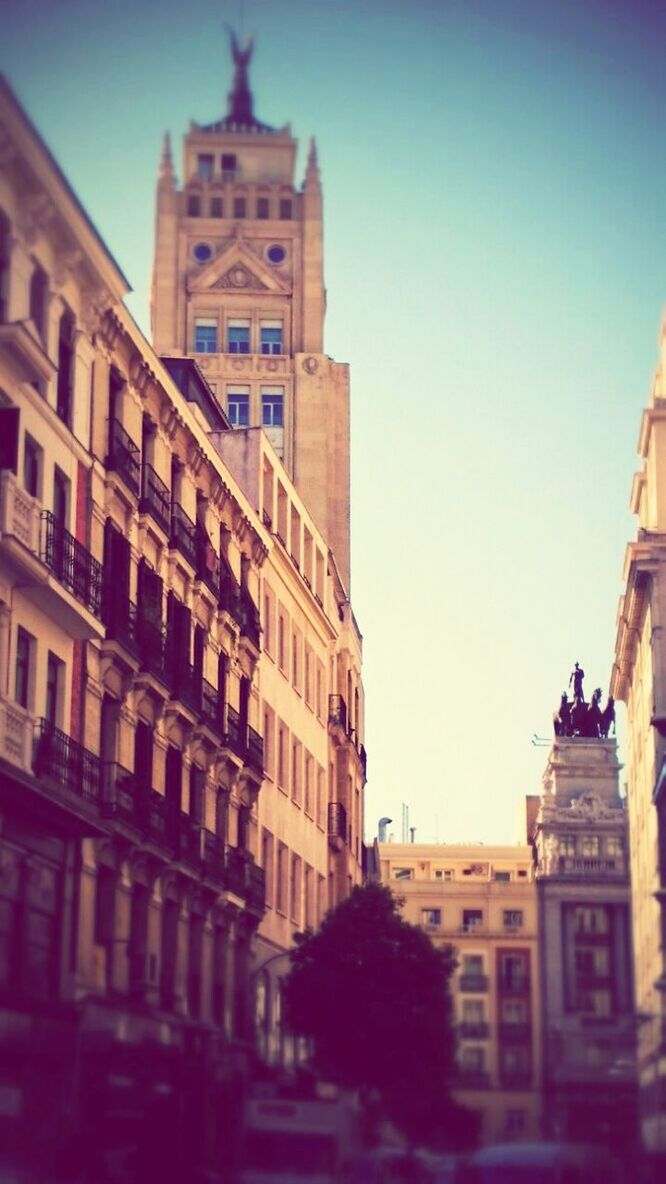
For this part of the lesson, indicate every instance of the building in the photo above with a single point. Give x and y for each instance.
(639, 680)
(582, 878)
(238, 286)
(482, 901)
(180, 717)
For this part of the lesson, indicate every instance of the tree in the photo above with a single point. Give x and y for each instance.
(371, 992)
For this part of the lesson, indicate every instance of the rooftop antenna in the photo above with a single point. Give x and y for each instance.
(412, 832)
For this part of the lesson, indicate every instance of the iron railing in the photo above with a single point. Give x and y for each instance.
(337, 712)
(473, 982)
(119, 793)
(124, 456)
(57, 757)
(183, 534)
(151, 643)
(186, 685)
(255, 750)
(229, 595)
(207, 564)
(156, 819)
(213, 857)
(337, 821)
(248, 617)
(71, 563)
(256, 886)
(232, 733)
(155, 498)
(235, 862)
(120, 617)
(210, 706)
(514, 1033)
(474, 1030)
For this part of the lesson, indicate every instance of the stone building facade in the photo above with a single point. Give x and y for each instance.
(482, 901)
(582, 878)
(163, 646)
(639, 680)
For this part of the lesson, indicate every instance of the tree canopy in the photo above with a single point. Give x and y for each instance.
(372, 994)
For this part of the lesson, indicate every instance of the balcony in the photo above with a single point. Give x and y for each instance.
(155, 826)
(120, 617)
(124, 457)
(229, 595)
(185, 685)
(120, 794)
(72, 565)
(245, 878)
(19, 514)
(472, 983)
(210, 707)
(155, 497)
(213, 858)
(255, 751)
(235, 861)
(207, 562)
(58, 758)
(151, 644)
(515, 1033)
(182, 534)
(478, 1030)
(337, 824)
(593, 867)
(232, 732)
(189, 841)
(248, 618)
(16, 727)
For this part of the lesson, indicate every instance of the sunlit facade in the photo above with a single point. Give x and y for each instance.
(482, 901)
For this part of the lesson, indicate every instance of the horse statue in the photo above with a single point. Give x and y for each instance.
(593, 721)
(579, 717)
(607, 719)
(562, 717)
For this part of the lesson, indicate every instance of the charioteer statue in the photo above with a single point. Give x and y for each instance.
(578, 718)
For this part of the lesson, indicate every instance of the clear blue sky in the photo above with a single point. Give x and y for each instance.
(495, 188)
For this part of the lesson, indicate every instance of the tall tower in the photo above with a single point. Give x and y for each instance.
(238, 284)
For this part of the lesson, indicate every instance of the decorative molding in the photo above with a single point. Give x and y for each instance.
(240, 276)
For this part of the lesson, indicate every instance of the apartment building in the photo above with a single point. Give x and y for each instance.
(143, 696)
(482, 901)
(638, 680)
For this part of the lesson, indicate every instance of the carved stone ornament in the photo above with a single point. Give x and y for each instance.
(240, 276)
(310, 365)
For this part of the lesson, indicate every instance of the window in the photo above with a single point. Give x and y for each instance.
(238, 407)
(403, 873)
(590, 846)
(591, 920)
(502, 877)
(512, 918)
(228, 165)
(64, 383)
(205, 166)
(193, 205)
(308, 794)
(514, 1123)
(567, 845)
(309, 664)
(310, 919)
(320, 689)
(472, 920)
(269, 741)
(55, 670)
(272, 410)
(296, 770)
(38, 293)
(513, 1011)
(238, 337)
(285, 208)
(472, 964)
(614, 846)
(280, 879)
(432, 917)
(32, 466)
(268, 621)
(262, 207)
(321, 797)
(282, 641)
(443, 874)
(473, 1059)
(22, 688)
(513, 972)
(473, 1011)
(239, 207)
(270, 337)
(283, 756)
(267, 864)
(295, 890)
(296, 659)
(216, 207)
(205, 335)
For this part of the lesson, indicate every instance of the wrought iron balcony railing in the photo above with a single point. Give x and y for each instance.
(337, 712)
(213, 857)
(210, 706)
(248, 618)
(232, 732)
(514, 1033)
(124, 456)
(337, 821)
(57, 757)
(120, 796)
(207, 564)
(235, 861)
(156, 819)
(183, 534)
(72, 565)
(151, 643)
(473, 983)
(255, 750)
(120, 617)
(155, 498)
(229, 595)
(477, 1030)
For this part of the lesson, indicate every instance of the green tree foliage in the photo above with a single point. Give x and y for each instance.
(372, 994)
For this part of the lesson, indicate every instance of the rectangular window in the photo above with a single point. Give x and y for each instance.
(228, 165)
(270, 338)
(281, 879)
(283, 756)
(310, 919)
(22, 688)
(296, 659)
(567, 846)
(472, 965)
(239, 207)
(285, 208)
(320, 689)
(216, 207)
(272, 410)
(512, 918)
(502, 877)
(268, 621)
(269, 741)
(295, 890)
(262, 207)
(296, 770)
(267, 864)
(55, 670)
(238, 337)
(432, 917)
(205, 166)
(238, 407)
(193, 205)
(205, 335)
(308, 788)
(614, 846)
(321, 797)
(282, 641)
(590, 846)
(403, 873)
(472, 919)
(32, 454)
(473, 1011)
(443, 873)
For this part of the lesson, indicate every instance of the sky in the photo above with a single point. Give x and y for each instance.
(495, 259)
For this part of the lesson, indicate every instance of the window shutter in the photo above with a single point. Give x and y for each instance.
(9, 433)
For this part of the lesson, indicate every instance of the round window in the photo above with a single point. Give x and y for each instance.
(202, 252)
(276, 254)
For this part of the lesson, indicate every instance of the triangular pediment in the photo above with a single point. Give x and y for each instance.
(238, 269)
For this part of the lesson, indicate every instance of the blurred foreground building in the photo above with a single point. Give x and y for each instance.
(482, 901)
(639, 679)
(181, 713)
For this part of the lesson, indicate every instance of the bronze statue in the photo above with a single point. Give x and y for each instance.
(607, 719)
(240, 97)
(576, 677)
(562, 717)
